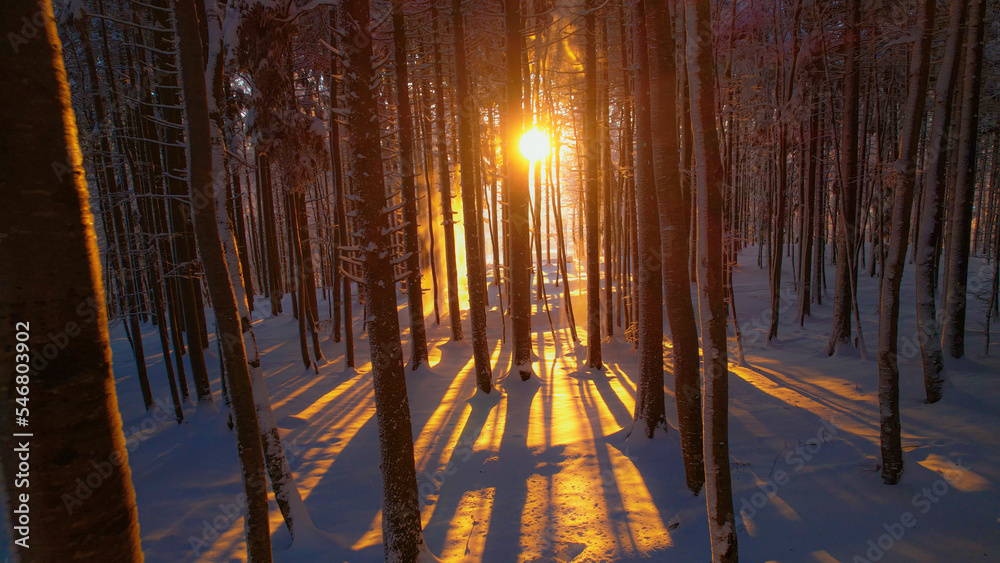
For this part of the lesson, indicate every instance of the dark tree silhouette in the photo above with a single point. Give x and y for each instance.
(51, 285)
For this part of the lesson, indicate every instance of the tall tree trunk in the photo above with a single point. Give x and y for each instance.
(592, 156)
(338, 186)
(607, 179)
(444, 174)
(675, 240)
(518, 198)
(411, 244)
(906, 166)
(219, 283)
(709, 176)
(783, 97)
(649, 404)
(954, 301)
(266, 187)
(297, 271)
(50, 235)
(808, 205)
(929, 233)
(307, 270)
(428, 160)
(847, 209)
(188, 286)
(402, 538)
(475, 267)
(286, 492)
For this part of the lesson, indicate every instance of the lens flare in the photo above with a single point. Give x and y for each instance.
(534, 144)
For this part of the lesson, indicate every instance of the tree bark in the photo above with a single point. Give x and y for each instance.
(965, 186)
(401, 534)
(928, 236)
(906, 168)
(709, 177)
(518, 198)
(411, 244)
(220, 285)
(649, 404)
(475, 267)
(52, 276)
(675, 240)
(444, 174)
(846, 211)
(592, 156)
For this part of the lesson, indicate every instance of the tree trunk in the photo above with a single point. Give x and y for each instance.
(219, 283)
(592, 155)
(411, 244)
(307, 270)
(711, 285)
(518, 198)
(906, 167)
(401, 533)
(847, 210)
(50, 235)
(444, 174)
(338, 189)
(928, 237)
(965, 186)
(807, 219)
(675, 240)
(475, 267)
(649, 404)
(275, 285)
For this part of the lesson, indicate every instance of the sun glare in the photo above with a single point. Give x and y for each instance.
(534, 144)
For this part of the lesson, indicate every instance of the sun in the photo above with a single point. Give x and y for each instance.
(534, 144)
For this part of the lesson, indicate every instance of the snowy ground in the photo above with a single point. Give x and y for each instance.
(542, 473)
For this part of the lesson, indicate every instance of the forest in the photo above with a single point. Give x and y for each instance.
(500, 280)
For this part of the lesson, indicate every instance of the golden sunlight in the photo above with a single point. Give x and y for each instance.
(534, 144)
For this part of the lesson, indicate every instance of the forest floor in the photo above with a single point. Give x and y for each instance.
(542, 471)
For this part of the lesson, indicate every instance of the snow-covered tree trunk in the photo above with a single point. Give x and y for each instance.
(710, 185)
(286, 492)
(649, 403)
(401, 534)
(51, 269)
(220, 285)
(929, 233)
(906, 168)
